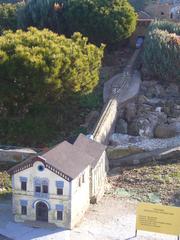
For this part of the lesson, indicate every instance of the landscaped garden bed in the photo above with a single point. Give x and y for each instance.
(153, 183)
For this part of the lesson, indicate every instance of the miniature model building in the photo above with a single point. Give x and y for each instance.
(57, 186)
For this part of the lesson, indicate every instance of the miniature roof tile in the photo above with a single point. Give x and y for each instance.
(68, 159)
(91, 147)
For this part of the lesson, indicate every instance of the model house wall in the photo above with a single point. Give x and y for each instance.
(57, 187)
(98, 178)
(80, 196)
(34, 177)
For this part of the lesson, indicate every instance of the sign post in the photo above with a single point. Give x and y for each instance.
(158, 218)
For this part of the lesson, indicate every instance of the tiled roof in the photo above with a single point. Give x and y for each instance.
(90, 147)
(66, 159)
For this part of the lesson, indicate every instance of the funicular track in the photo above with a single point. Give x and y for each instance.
(119, 88)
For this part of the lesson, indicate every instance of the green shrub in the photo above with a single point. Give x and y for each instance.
(41, 14)
(5, 182)
(102, 21)
(8, 17)
(40, 66)
(171, 27)
(162, 51)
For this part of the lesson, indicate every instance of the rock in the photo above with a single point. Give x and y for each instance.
(167, 108)
(156, 117)
(173, 120)
(148, 84)
(144, 109)
(118, 138)
(121, 126)
(140, 127)
(117, 152)
(177, 107)
(158, 109)
(158, 155)
(156, 102)
(146, 123)
(121, 112)
(165, 131)
(159, 90)
(142, 99)
(172, 90)
(125, 141)
(155, 91)
(130, 111)
(168, 130)
(175, 111)
(176, 125)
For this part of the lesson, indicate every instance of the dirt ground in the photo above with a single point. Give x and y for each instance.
(159, 183)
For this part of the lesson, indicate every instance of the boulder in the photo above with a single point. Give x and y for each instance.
(156, 102)
(121, 126)
(130, 111)
(173, 119)
(124, 139)
(142, 99)
(140, 126)
(177, 127)
(158, 155)
(121, 111)
(144, 109)
(165, 131)
(146, 124)
(118, 152)
(148, 84)
(172, 90)
(175, 111)
(155, 91)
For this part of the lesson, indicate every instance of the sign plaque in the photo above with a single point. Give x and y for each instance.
(158, 218)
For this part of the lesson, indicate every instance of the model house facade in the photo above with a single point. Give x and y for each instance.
(57, 186)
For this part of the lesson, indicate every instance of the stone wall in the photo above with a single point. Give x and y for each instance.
(155, 156)
(106, 124)
(52, 198)
(15, 155)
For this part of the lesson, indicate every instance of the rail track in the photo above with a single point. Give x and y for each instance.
(116, 93)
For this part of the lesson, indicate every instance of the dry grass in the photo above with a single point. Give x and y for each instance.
(160, 182)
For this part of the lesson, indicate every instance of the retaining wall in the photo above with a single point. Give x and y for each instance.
(126, 88)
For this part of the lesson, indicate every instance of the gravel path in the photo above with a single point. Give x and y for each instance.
(125, 141)
(111, 219)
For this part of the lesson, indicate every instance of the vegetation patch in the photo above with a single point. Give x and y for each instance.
(153, 183)
(9, 16)
(46, 80)
(102, 21)
(5, 184)
(162, 51)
